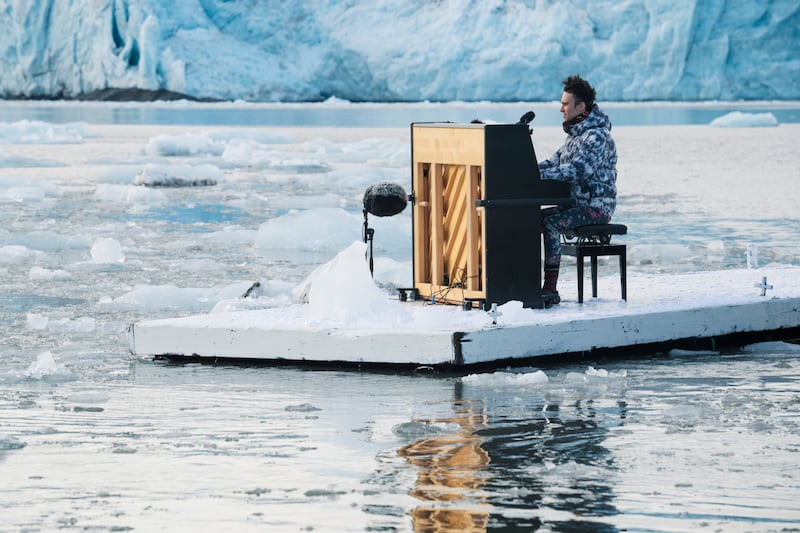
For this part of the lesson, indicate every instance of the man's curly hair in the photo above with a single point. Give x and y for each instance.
(581, 89)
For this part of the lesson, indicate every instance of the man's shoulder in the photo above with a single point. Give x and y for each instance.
(599, 119)
(595, 132)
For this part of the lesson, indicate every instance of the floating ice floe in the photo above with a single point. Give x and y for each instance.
(178, 176)
(46, 368)
(107, 250)
(737, 119)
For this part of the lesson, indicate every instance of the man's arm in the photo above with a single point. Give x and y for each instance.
(550, 163)
(583, 162)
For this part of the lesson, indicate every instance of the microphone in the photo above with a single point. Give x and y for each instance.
(527, 118)
(385, 199)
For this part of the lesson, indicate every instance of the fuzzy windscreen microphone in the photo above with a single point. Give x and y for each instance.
(385, 199)
(527, 118)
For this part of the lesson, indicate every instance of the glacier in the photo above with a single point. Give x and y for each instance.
(402, 50)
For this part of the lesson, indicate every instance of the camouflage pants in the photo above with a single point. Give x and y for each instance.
(556, 220)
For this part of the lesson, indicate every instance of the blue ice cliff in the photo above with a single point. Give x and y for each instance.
(402, 50)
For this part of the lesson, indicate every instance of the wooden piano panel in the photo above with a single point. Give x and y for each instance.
(453, 219)
(462, 226)
(474, 232)
(448, 258)
(422, 222)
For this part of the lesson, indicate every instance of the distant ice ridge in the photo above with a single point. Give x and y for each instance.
(401, 50)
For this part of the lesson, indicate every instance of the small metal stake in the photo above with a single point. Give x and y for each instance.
(763, 286)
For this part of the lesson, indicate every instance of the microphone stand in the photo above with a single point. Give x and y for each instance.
(368, 234)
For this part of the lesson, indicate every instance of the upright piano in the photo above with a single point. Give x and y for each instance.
(476, 219)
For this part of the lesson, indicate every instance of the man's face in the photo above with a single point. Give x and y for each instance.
(569, 109)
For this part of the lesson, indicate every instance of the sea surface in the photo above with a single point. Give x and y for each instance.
(342, 114)
(95, 439)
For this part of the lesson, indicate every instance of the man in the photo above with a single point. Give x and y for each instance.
(588, 162)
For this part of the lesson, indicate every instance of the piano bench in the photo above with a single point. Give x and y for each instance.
(595, 241)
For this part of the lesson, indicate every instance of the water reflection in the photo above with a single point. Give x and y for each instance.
(503, 466)
(451, 472)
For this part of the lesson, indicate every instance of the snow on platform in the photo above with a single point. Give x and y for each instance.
(349, 321)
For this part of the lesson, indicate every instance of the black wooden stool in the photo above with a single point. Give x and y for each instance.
(594, 241)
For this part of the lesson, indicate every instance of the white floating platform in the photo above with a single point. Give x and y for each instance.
(704, 310)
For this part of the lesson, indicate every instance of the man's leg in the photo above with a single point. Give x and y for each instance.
(556, 221)
(552, 248)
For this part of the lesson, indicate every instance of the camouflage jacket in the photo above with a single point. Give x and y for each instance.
(588, 162)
